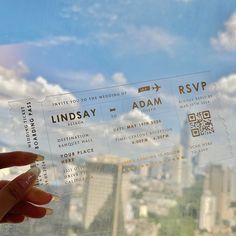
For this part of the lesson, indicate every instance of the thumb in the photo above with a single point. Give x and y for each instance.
(15, 191)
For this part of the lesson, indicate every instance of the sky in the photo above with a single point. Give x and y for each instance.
(51, 47)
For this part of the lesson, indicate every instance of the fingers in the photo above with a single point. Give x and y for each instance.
(38, 197)
(16, 190)
(29, 210)
(18, 159)
(35, 195)
(25, 209)
(3, 183)
(11, 218)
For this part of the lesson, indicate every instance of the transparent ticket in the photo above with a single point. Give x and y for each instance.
(106, 136)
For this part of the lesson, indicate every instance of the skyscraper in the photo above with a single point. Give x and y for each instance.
(105, 197)
(217, 182)
(178, 170)
(207, 211)
(186, 165)
(233, 186)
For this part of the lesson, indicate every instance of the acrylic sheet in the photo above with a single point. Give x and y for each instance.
(116, 152)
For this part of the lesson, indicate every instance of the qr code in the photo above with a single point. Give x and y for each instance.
(200, 123)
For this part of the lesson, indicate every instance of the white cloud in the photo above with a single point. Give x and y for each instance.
(14, 86)
(86, 80)
(226, 87)
(227, 39)
(101, 14)
(105, 37)
(119, 78)
(97, 80)
(141, 40)
(75, 8)
(56, 41)
(225, 105)
(71, 11)
(112, 26)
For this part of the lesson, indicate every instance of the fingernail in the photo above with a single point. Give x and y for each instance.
(35, 171)
(39, 158)
(29, 177)
(55, 198)
(49, 211)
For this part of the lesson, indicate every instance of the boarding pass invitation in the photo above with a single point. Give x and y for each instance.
(126, 130)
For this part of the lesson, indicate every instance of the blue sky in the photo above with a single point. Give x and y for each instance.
(55, 46)
(141, 39)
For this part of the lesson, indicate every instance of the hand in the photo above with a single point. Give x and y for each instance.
(18, 198)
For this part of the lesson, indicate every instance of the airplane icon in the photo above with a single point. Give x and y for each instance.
(156, 87)
(112, 109)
